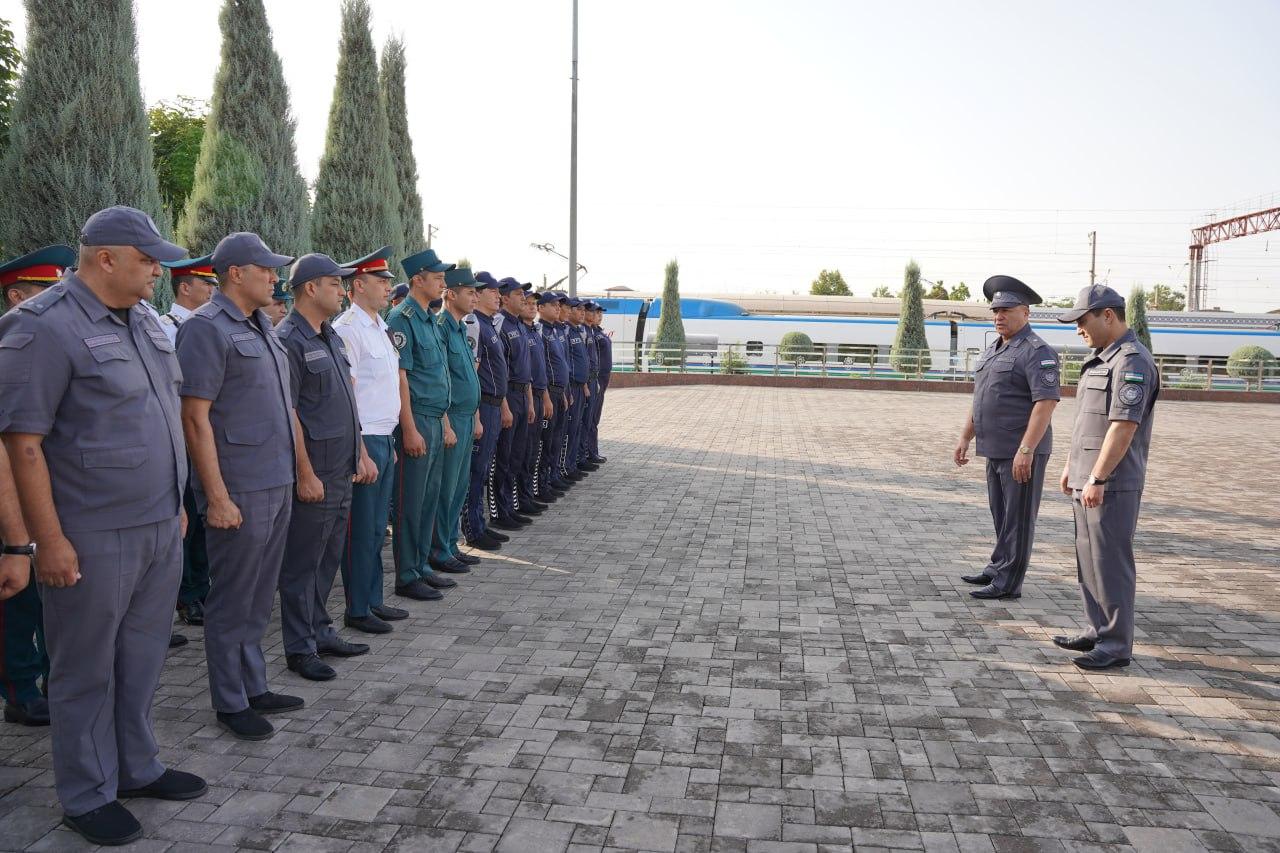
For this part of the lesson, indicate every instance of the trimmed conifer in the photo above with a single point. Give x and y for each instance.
(669, 339)
(247, 176)
(394, 103)
(357, 207)
(1136, 314)
(910, 352)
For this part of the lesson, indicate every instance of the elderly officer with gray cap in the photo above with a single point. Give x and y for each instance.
(85, 373)
(1014, 394)
(329, 455)
(1106, 471)
(238, 417)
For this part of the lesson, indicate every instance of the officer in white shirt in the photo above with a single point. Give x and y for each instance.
(193, 284)
(375, 367)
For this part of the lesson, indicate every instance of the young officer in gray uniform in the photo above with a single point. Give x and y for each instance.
(1106, 471)
(330, 454)
(240, 429)
(1014, 394)
(89, 403)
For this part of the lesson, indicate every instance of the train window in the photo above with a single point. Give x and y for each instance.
(755, 347)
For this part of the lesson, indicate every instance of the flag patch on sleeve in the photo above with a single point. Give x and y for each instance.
(1048, 362)
(1134, 377)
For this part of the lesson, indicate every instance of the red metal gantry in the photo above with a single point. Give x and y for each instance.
(1217, 232)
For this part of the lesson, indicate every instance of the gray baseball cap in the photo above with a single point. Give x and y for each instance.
(127, 226)
(243, 248)
(1090, 299)
(313, 266)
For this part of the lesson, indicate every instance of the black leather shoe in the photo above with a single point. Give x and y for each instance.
(467, 559)
(192, 614)
(246, 725)
(560, 488)
(504, 524)
(389, 614)
(1074, 644)
(527, 508)
(496, 536)
(111, 825)
(310, 667)
(340, 648)
(598, 460)
(520, 519)
(576, 476)
(990, 592)
(177, 641)
(171, 785)
(275, 703)
(978, 579)
(1091, 661)
(588, 466)
(485, 543)
(33, 712)
(452, 567)
(368, 624)
(436, 581)
(418, 591)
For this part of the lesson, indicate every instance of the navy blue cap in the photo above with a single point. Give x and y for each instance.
(375, 263)
(1005, 291)
(243, 248)
(313, 266)
(573, 302)
(43, 266)
(460, 277)
(281, 292)
(509, 284)
(424, 261)
(435, 304)
(548, 296)
(589, 305)
(400, 291)
(484, 279)
(1091, 299)
(127, 226)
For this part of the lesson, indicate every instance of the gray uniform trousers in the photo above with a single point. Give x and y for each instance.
(313, 551)
(1106, 569)
(107, 638)
(1014, 507)
(244, 566)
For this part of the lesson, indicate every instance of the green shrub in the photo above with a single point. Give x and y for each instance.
(1252, 363)
(795, 348)
(732, 362)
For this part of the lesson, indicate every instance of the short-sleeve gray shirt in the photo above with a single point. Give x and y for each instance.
(1120, 383)
(1010, 379)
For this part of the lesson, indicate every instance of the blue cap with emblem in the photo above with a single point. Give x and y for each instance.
(400, 291)
(244, 248)
(316, 265)
(1091, 299)
(547, 296)
(1005, 291)
(459, 277)
(573, 302)
(127, 226)
(424, 261)
(509, 284)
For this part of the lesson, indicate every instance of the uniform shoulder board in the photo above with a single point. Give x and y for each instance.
(40, 303)
(1036, 342)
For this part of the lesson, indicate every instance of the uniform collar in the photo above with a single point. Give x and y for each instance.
(1016, 340)
(508, 315)
(303, 325)
(224, 304)
(449, 320)
(178, 311)
(364, 318)
(1110, 352)
(88, 300)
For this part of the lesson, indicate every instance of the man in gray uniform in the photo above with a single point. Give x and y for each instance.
(239, 422)
(1106, 471)
(330, 454)
(1014, 394)
(89, 403)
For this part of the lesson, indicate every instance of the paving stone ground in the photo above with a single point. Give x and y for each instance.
(747, 633)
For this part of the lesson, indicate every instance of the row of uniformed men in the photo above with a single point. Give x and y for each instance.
(104, 407)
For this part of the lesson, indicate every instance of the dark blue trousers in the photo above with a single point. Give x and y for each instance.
(573, 438)
(475, 511)
(370, 507)
(597, 409)
(512, 448)
(547, 465)
(23, 657)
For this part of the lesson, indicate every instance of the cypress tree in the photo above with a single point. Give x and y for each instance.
(79, 139)
(247, 176)
(391, 83)
(1136, 314)
(668, 341)
(910, 352)
(357, 205)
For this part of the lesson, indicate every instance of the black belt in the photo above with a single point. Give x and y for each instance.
(593, 377)
(517, 386)
(559, 389)
(490, 399)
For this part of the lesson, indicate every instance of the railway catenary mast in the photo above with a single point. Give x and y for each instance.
(1217, 232)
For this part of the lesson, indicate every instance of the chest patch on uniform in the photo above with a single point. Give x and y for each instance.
(1134, 377)
(1130, 394)
(101, 341)
(244, 336)
(314, 355)
(1099, 371)
(1049, 378)
(399, 339)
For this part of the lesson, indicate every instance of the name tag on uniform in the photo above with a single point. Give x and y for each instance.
(314, 355)
(244, 336)
(101, 341)
(1099, 371)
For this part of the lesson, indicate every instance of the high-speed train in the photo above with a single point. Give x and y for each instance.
(754, 325)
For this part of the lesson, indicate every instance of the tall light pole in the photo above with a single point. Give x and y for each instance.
(573, 164)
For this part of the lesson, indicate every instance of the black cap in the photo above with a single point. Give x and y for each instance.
(1005, 291)
(127, 226)
(243, 248)
(1090, 299)
(314, 266)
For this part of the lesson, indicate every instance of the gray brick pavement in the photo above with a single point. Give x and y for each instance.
(746, 633)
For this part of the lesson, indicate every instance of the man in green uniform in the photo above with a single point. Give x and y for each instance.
(424, 430)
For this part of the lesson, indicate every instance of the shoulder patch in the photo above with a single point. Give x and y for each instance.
(1049, 377)
(40, 303)
(399, 339)
(1048, 362)
(1133, 377)
(1131, 394)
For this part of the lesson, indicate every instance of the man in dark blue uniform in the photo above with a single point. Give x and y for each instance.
(548, 484)
(90, 417)
(510, 455)
(491, 367)
(593, 384)
(330, 456)
(24, 660)
(604, 346)
(580, 391)
(543, 410)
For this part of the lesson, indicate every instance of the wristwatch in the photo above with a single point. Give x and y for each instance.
(28, 550)
(1024, 450)
(1095, 480)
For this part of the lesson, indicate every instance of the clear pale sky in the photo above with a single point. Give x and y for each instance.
(759, 142)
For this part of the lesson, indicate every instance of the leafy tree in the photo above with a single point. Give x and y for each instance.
(910, 352)
(795, 348)
(1060, 302)
(1252, 363)
(669, 339)
(882, 292)
(247, 176)
(938, 291)
(1165, 298)
(391, 84)
(10, 63)
(357, 205)
(829, 283)
(1137, 315)
(176, 130)
(463, 262)
(79, 139)
(960, 293)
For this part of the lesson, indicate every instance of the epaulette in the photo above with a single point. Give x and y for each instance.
(40, 303)
(406, 309)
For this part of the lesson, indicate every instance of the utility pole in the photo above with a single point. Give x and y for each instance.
(573, 163)
(1093, 255)
(431, 230)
